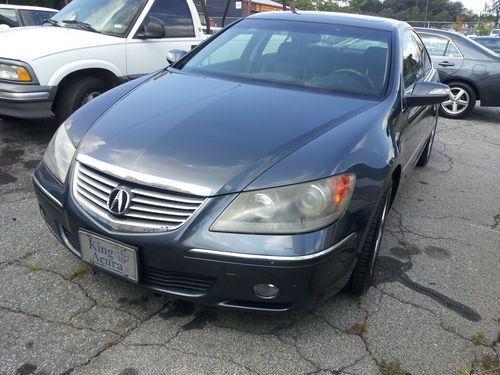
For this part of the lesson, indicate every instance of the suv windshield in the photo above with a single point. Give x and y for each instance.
(113, 17)
(329, 57)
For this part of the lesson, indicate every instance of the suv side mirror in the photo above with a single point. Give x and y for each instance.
(153, 30)
(175, 55)
(427, 93)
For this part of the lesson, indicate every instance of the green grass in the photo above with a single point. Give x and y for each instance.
(479, 339)
(390, 367)
(34, 267)
(80, 271)
(358, 329)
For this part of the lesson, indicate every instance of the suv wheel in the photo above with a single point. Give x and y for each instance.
(77, 93)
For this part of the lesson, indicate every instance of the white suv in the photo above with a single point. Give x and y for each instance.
(87, 48)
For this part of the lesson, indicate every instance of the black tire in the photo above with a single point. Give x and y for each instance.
(76, 93)
(426, 152)
(466, 93)
(362, 275)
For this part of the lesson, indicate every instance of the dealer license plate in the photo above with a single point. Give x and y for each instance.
(109, 255)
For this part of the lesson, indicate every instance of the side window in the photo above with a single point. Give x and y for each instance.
(439, 45)
(8, 16)
(413, 66)
(175, 15)
(275, 42)
(452, 51)
(34, 18)
(233, 50)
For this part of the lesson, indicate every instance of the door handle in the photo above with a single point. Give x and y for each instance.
(446, 64)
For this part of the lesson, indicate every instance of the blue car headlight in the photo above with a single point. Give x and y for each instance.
(59, 154)
(288, 209)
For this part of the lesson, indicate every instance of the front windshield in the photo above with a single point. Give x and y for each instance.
(322, 56)
(114, 17)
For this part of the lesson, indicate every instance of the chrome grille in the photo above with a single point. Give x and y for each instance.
(150, 210)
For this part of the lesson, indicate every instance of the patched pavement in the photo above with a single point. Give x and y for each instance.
(434, 308)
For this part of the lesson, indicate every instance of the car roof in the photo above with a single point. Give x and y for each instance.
(27, 7)
(336, 18)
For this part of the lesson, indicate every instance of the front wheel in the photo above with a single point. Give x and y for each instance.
(362, 275)
(461, 101)
(77, 93)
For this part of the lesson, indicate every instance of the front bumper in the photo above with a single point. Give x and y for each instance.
(26, 101)
(170, 264)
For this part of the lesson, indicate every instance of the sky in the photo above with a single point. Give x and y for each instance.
(475, 5)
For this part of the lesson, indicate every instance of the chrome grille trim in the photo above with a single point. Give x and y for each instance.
(150, 210)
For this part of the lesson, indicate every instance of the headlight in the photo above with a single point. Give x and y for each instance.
(289, 209)
(59, 154)
(15, 73)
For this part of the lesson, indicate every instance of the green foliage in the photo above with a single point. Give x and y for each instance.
(483, 29)
(414, 10)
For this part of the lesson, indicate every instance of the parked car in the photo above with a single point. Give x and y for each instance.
(94, 46)
(490, 42)
(471, 70)
(495, 32)
(257, 171)
(19, 15)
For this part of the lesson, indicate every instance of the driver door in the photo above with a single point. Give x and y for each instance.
(146, 55)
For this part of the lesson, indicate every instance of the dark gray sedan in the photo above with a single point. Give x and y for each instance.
(255, 172)
(471, 70)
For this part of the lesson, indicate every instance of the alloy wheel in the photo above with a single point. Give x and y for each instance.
(458, 101)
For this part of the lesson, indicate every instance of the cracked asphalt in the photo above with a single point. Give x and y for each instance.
(434, 307)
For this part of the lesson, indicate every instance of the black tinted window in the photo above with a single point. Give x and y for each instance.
(413, 66)
(175, 15)
(35, 17)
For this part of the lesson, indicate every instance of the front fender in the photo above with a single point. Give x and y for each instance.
(363, 145)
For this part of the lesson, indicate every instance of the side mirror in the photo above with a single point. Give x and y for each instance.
(153, 30)
(427, 93)
(175, 55)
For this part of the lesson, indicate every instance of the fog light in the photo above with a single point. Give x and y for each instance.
(266, 291)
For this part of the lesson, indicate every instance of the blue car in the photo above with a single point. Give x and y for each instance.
(255, 172)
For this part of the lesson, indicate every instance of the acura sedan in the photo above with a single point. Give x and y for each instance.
(471, 70)
(255, 172)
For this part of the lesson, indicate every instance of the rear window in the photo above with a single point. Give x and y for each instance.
(321, 56)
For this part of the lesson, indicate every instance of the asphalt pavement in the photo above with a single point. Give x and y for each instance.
(434, 307)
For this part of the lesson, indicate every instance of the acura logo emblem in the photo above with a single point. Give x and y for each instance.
(119, 201)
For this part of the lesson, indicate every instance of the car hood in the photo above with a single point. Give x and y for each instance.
(208, 135)
(31, 43)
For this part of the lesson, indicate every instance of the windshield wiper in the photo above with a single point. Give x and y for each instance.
(51, 21)
(82, 24)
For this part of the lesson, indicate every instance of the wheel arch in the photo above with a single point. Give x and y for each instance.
(467, 82)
